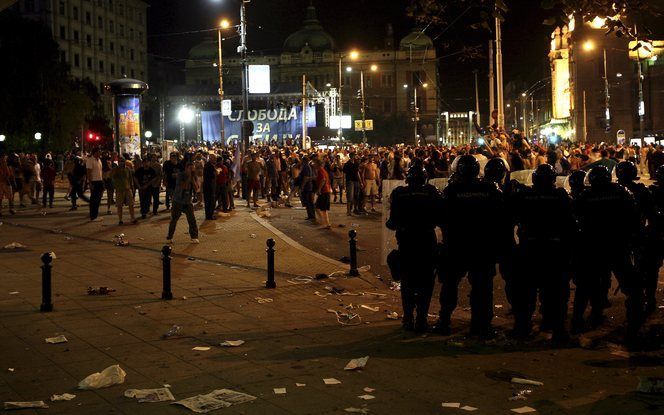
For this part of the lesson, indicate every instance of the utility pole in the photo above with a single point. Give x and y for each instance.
(492, 87)
(245, 75)
(585, 119)
(341, 111)
(304, 112)
(416, 118)
(364, 116)
(499, 74)
(477, 99)
(222, 136)
(607, 101)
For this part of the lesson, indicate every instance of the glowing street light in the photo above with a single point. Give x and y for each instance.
(148, 134)
(185, 115)
(2, 138)
(374, 68)
(224, 24)
(38, 136)
(425, 85)
(588, 45)
(349, 69)
(354, 54)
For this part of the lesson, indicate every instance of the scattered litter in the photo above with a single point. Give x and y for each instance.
(184, 297)
(68, 238)
(451, 404)
(232, 343)
(100, 291)
(300, 280)
(331, 381)
(166, 385)
(369, 390)
(367, 397)
(300, 385)
(651, 385)
(354, 225)
(347, 318)
(56, 340)
(524, 410)
(120, 240)
(357, 410)
(358, 363)
(57, 230)
(215, 251)
(13, 293)
(279, 391)
(321, 295)
(217, 399)
(393, 315)
(468, 408)
(522, 381)
(395, 286)
(25, 405)
(585, 342)
(15, 245)
(252, 236)
(338, 274)
(201, 348)
(365, 268)
(11, 369)
(262, 300)
(191, 258)
(141, 239)
(174, 331)
(43, 213)
(150, 395)
(112, 375)
(63, 397)
(521, 395)
(617, 350)
(368, 307)
(379, 295)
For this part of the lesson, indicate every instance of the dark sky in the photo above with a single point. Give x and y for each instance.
(361, 24)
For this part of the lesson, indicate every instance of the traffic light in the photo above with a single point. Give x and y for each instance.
(93, 137)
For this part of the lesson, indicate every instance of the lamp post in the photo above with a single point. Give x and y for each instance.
(245, 74)
(373, 68)
(223, 25)
(353, 55)
(416, 110)
(185, 116)
(589, 46)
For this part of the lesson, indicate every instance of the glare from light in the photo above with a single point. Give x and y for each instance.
(523, 94)
(186, 115)
(2, 138)
(38, 136)
(588, 45)
(148, 134)
(374, 68)
(619, 75)
(354, 54)
(598, 22)
(349, 69)
(328, 84)
(405, 86)
(509, 105)
(224, 24)
(653, 59)
(425, 85)
(480, 141)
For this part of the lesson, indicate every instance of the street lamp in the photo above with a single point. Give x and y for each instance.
(353, 55)
(38, 136)
(589, 46)
(148, 134)
(416, 109)
(185, 116)
(224, 24)
(373, 68)
(2, 138)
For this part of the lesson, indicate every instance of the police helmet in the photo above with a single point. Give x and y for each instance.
(659, 175)
(416, 175)
(495, 170)
(626, 171)
(468, 167)
(599, 176)
(577, 179)
(544, 176)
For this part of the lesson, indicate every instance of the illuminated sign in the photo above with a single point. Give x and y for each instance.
(259, 79)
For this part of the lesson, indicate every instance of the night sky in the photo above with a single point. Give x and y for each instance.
(361, 24)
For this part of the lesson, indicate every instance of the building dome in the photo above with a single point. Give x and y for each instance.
(311, 34)
(206, 50)
(416, 39)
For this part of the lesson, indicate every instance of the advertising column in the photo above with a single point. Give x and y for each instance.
(127, 126)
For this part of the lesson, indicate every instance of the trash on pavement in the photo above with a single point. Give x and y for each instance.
(120, 240)
(367, 397)
(56, 340)
(11, 369)
(451, 404)
(25, 405)
(358, 363)
(370, 308)
(300, 385)
(236, 268)
(347, 318)
(395, 286)
(522, 381)
(521, 395)
(357, 410)
(63, 397)
(651, 385)
(100, 291)
(232, 343)
(369, 390)
(468, 408)
(173, 331)
(112, 375)
(331, 381)
(150, 395)
(365, 268)
(201, 348)
(217, 399)
(252, 236)
(344, 259)
(300, 280)
(524, 410)
(392, 315)
(262, 300)
(14, 293)
(279, 391)
(14, 245)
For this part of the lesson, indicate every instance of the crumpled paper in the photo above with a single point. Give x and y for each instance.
(150, 395)
(56, 340)
(14, 245)
(112, 375)
(25, 405)
(358, 363)
(63, 397)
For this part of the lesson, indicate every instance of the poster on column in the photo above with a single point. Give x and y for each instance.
(278, 124)
(129, 124)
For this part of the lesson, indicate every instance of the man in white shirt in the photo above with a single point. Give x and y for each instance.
(95, 178)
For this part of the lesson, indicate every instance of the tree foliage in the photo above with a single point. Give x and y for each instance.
(37, 93)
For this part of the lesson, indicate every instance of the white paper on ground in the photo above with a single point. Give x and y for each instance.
(56, 340)
(358, 363)
(300, 385)
(279, 391)
(370, 308)
(150, 395)
(232, 343)
(369, 390)
(14, 245)
(524, 410)
(468, 408)
(451, 404)
(357, 410)
(112, 375)
(522, 381)
(63, 397)
(217, 399)
(367, 397)
(24, 405)
(13, 293)
(331, 381)
(201, 348)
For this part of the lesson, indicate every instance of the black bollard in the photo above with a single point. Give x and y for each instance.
(270, 264)
(47, 304)
(353, 254)
(166, 294)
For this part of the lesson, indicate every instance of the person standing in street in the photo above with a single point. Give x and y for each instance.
(307, 188)
(253, 173)
(93, 169)
(169, 177)
(6, 184)
(352, 176)
(210, 186)
(182, 202)
(145, 175)
(123, 183)
(323, 190)
(48, 174)
(155, 186)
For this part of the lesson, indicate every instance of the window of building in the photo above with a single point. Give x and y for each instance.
(133, 74)
(111, 46)
(77, 60)
(100, 3)
(100, 43)
(386, 80)
(122, 51)
(62, 32)
(139, 17)
(61, 8)
(74, 13)
(121, 30)
(76, 36)
(122, 70)
(88, 63)
(131, 54)
(63, 56)
(347, 81)
(140, 37)
(100, 22)
(112, 69)
(387, 105)
(111, 26)
(368, 81)
(88, 18)
(110, 5)
(101, 66)
(121, 9)
(131, 34)
(88, 40)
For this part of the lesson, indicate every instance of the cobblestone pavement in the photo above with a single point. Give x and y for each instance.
(219, 295)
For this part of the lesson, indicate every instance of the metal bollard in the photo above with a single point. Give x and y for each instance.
(47, 304)
(166, 294)
(353, 254)
(270, 264)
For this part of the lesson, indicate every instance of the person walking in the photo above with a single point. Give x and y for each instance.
(168, 170)
(182, 202)
(48, 183)
(6, 184)
(93, 168)
(123, 183)
(145, 175)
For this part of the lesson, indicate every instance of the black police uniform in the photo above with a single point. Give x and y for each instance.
(546, 226)
(474, 229)
(606, 248)
(656, 237)
(413, 215)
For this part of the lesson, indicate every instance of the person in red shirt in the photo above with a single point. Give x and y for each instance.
(48, 182)
(323, 190)
(222, 179)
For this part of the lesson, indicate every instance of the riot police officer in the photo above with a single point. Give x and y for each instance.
(413, 216)
(577, 183)
(474, 230)
(606, 248)
(656, 237)
(545, 227)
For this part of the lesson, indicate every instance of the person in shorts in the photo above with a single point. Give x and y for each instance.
(323, 190)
